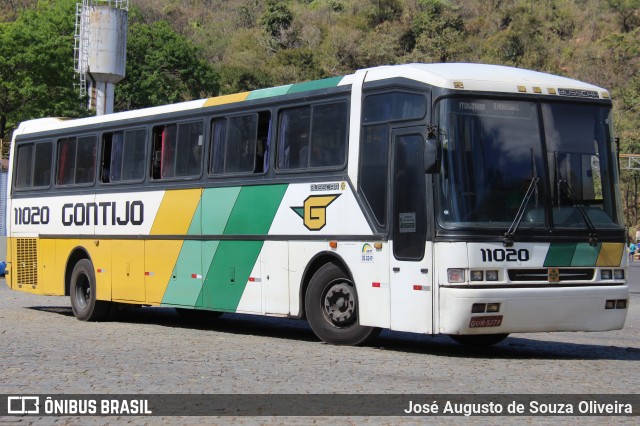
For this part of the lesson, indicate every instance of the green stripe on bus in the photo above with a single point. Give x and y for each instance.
(255, 209)
(560, 254)
(314, 85)
(231, 267)
(183, 288)
(217, 204)
(195, 257)
(267, 93)
(572, 254)
(586, 255)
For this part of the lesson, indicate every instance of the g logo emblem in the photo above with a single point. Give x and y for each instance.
(314, 211)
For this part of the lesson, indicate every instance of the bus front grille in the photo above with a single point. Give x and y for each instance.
(542, 274)
(27, 262)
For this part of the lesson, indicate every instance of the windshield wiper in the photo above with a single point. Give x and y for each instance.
(593, 234)
(511, 232)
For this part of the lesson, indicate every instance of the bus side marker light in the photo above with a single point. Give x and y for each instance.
(477, 275)
(493, 307)
(455, 275)
(196, 276)
(377, 246)
(618, 274)
(421, 287)
(610, 304)
(478, 308)
(379, 285)
(492, 275)
(333, 244)
(605, 274)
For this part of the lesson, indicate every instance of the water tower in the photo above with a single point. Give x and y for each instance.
(101, 49)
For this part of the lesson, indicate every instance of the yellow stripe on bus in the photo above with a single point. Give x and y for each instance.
(610, 254)
(226, 99)
(176, 212)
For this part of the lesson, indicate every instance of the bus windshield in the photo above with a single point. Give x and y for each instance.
(494, 150)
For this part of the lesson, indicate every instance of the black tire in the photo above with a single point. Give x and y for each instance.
(197, 314)
(331, 306)
(82, 291)
(478, 340)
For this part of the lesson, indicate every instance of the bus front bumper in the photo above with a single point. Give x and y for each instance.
(522, 310)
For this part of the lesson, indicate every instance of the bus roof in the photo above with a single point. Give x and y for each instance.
(457, 76)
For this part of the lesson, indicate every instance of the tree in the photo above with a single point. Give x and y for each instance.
(627, 11)
(36, 65)
(162, 67)
(276, 23)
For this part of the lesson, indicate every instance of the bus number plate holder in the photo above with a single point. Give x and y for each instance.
(490, 321)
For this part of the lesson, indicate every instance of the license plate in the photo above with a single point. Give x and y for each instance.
(490, 321)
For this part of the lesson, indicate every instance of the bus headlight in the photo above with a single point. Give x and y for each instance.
(455, 275)
(605, 274)
(618, 274)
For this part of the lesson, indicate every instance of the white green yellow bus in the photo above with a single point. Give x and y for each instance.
(461, 199)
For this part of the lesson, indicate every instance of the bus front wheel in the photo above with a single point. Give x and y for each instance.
(332, 309)
(82, 291)
(478, 339)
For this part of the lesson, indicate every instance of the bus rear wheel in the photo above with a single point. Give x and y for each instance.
(82, 291)
(332, 308)
(478, 340)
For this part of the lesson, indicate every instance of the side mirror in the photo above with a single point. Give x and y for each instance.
(430, 155)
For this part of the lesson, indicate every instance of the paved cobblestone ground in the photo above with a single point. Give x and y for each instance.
(45, 350)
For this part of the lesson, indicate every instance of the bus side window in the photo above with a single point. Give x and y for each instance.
(76, 160)
(177, 150)
(66, 161)
(134, 154)
(156, 152)
(42, 164)
(123, 156)
(164, 151)
(263, 142)
(241, 144)
(105, 169)
(24, 166)
(86, 160)
(293, 140)
(189, 149)
(33, 165)
(329, 135)
(218, 140)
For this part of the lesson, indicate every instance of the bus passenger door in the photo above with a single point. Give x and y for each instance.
(411, 283)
